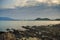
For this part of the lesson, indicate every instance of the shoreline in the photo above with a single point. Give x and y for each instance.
(49, 32)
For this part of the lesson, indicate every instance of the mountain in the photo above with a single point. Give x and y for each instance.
(5, 18)
(42, 19)
(57, 19)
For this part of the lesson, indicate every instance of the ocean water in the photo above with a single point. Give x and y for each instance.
(17, 24)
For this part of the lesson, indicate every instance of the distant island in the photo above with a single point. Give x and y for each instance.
(42, 19)
(37, 19)
(57, 19)
(5, 19)
(47, 19)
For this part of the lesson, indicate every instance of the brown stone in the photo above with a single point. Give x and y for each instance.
(7, 36)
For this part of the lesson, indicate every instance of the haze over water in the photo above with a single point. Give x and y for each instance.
(28, 9)
(17, 24)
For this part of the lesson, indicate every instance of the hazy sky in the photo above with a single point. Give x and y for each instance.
(29, 9)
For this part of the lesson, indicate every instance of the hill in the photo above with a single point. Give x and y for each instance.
(5, 18)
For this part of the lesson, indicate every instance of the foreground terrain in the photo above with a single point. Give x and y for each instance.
(49, 32)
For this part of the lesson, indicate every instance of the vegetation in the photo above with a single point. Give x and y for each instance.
(57, 19)
(47, 19)
(42, 19)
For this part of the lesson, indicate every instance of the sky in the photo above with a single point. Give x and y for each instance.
(30, 9)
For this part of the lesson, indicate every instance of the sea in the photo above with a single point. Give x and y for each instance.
(18, 24)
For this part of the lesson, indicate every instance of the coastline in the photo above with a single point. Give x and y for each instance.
(36, 32)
